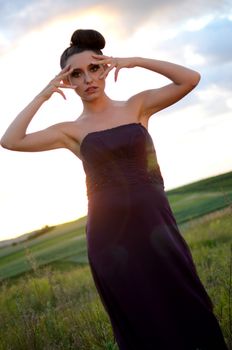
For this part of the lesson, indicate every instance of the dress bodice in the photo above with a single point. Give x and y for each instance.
(121, 156)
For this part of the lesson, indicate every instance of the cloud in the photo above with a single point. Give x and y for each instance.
(199, 34)
(210, 42)
(208, 50)
(169, 12)
(213, 42)
(22, 15)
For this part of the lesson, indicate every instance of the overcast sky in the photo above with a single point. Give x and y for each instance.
(192, 138)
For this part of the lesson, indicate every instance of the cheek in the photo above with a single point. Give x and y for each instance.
(100, 72)
(70, 80)
(78, 92)
(74, 81)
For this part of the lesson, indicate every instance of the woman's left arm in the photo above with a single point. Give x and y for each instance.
(151, 101)
(183, 81)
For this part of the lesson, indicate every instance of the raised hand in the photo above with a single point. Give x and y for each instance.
(59, 82)
(112, 62)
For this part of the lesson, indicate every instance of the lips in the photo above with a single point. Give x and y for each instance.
(91, 89)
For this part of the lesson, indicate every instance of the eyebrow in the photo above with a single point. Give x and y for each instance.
(90, 65)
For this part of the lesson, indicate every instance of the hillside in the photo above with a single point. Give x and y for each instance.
(66, 244)
(202, 197)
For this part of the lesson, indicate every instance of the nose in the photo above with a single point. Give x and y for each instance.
(88, 79)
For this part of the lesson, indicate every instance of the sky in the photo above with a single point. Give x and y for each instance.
(192, 138)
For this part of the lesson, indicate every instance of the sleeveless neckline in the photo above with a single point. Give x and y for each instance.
(109, 130)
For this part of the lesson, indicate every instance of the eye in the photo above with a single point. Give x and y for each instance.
(76, 74)
(94, 67)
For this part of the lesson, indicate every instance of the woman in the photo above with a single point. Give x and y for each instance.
(141, 265)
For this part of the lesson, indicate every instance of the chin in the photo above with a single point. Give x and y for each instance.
(90, 98)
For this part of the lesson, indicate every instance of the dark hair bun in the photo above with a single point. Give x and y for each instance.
(88, 39)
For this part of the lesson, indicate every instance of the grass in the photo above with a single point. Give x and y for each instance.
(211, 244)
(48, 300)
(62, 243)
(53, 310)
(202, 197)
(67, 242)
(57, 306)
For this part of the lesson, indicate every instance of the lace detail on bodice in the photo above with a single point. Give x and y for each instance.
(119, 157)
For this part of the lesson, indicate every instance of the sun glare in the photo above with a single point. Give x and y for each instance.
(58, 32)
(48, 188)
(66, 184)
(62, 182)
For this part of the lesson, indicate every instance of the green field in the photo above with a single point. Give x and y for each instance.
(48, 300)
(67, 243)
(57, 307)
(202, 197)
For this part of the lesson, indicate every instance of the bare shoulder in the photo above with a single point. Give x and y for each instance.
(70, 128)
(137, 99)
(135, 104)
(71, 131)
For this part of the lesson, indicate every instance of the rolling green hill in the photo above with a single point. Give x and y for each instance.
(66, 244)
(202, 197)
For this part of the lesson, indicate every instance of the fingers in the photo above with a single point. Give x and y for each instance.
(107, 69)
(101, 59)
(109, 62)
(58, 84)
(116, 73)
(61, 93)
(64, 73)
(65, 70)
(61, 81)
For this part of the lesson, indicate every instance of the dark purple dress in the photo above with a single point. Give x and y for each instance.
(141, 265)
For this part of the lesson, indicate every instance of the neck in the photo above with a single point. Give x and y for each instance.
(97, 106)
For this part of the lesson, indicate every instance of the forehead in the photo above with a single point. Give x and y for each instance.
(80, 60)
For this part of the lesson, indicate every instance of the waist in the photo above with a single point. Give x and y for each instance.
(122, 184)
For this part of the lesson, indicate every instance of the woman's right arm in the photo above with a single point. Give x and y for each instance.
(16, 138)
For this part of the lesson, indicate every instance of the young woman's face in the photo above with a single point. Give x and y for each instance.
(86, 76)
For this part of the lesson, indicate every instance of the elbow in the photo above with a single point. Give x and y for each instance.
(6, 144)
(195, 79)
(3, 143)
(192, 82)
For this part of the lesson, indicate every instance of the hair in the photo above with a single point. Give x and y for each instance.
(82, 40)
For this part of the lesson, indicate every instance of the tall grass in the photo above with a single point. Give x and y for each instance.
(210, 241)
(48, 309)
(58, 308)
(68, 241)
